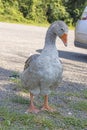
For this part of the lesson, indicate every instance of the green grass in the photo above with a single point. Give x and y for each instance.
(18, 120)
(84, 94)
(20, 100)
(77, 123)
(80, 105)
(12, 19)
(41, 121)
(13, 120)
(74, 94)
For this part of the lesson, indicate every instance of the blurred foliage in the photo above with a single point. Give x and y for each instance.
(41, 11)
(75, 8)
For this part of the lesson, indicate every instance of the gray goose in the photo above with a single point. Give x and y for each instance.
(42, 72)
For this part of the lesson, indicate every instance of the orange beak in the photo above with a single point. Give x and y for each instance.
(64, 38)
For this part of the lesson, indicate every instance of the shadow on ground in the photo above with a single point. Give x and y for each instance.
(7, 73)
(71, 55)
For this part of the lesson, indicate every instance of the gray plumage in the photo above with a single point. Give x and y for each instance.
(43, 72)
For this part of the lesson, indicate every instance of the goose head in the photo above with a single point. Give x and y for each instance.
(60, 29)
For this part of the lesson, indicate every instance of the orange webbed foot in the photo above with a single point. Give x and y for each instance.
(48, 108)
(32, 110)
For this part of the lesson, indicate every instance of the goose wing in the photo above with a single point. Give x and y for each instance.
(29, 60)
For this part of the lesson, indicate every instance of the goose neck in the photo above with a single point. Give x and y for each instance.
(50, 47)
(50, 39)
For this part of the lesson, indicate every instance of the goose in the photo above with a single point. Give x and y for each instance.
(43, 72)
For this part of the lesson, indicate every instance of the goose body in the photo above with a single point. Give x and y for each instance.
(43, 72)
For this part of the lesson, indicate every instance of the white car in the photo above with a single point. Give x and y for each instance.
(81, 31)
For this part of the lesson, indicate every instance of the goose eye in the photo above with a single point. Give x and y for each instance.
(62, 29)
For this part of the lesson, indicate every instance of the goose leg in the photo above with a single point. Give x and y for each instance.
(46, 106)
(32, 108)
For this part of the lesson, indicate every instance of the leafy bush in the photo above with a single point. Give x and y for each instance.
(41, 11)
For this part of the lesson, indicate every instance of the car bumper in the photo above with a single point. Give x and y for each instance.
(79, 44)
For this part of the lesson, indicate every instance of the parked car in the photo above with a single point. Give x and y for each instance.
(81, 31)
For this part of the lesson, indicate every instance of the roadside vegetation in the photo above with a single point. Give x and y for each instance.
(41, 11)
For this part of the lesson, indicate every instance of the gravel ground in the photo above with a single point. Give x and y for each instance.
(17, 42)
